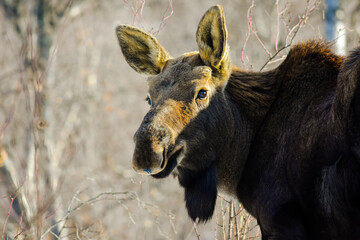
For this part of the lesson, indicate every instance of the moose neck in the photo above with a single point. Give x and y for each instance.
(253, 92)
(250, 96)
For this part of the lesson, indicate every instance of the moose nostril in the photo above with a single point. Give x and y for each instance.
(148, 170)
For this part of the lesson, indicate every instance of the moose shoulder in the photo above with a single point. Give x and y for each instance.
(285, 142)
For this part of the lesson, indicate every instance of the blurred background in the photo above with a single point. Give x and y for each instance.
(70, 104)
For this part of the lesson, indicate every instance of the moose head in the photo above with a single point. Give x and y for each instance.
(190, 125)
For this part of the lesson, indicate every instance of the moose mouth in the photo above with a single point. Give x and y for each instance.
(170, 161)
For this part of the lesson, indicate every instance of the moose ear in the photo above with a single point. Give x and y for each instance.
(141, 50)
(211, 37)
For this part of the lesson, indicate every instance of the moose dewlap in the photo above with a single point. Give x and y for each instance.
(285, 142)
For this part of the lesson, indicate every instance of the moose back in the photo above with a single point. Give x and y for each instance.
(285, 142)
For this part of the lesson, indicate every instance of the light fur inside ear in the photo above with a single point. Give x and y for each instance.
(211, 37)
(141, 50)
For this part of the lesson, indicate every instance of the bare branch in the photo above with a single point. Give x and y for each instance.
(277, 25)
(196, 231)
(165, 17)
(100, 197)
(137, 10)
(294, 30)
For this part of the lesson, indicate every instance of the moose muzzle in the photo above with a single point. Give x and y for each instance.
(151, 142)
(156, 139)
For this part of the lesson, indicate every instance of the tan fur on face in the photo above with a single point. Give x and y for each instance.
(174, 116)
(174, 99)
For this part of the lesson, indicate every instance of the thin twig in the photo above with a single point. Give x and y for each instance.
(165, 17)
(88, 202)
(277, 25)
(294, 31)
(3, 235)
(223, 213)
(196, 231)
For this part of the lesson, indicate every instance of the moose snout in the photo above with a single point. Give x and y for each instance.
(146, 162)
(150, 150)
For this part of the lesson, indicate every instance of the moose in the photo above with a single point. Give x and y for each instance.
(285, 142)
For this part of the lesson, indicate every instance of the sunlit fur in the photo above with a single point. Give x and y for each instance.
(211, 39)
(142, 51)
(285, 142)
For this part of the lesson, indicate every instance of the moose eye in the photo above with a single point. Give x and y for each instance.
(148, 100)
(202, 94)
